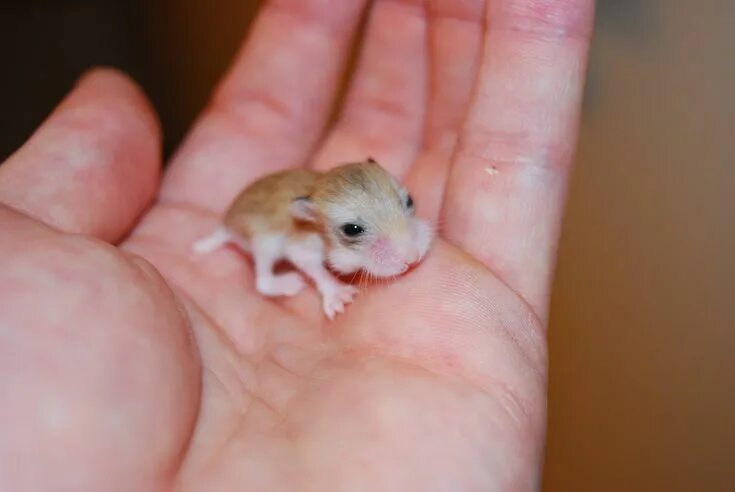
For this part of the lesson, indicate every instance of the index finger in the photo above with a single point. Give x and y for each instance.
(270, 110)
(508, 181)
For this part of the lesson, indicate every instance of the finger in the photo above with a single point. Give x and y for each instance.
(384, 109)
(507, 184)
(93, 166)
(455, 42)
(270, 110)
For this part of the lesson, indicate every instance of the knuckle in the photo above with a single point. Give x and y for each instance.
(514, 149)
(253, 109)
(465, 11)
(543, 19)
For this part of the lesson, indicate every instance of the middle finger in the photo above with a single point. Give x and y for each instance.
(384, 110)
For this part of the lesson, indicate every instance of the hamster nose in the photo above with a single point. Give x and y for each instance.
(413, 257)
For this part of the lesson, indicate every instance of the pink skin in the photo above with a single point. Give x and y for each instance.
(383, 254)
(138, 366)
(392, 257)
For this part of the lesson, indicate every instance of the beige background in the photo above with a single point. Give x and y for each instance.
(642, 337)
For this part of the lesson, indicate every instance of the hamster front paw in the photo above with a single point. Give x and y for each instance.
(335, 300)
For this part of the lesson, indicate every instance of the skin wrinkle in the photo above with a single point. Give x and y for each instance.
(516, 407)
(406, 3)
(503, 149)
(533, 362)
(248, 390)
(238, 109)
(221, 333)
(277, 385)
(273, 360)
(535, 320)
(386, 108)
(414, 371)
(313, 15)
(231, 436)
(248, 125)
(469, 11)
(307, 362)
(546, 20)
(277, 361)
(536, 329)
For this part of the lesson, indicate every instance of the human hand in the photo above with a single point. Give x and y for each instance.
(142, 367)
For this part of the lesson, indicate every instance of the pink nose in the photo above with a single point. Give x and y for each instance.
(413, 257)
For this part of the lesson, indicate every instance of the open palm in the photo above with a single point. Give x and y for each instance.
(128, 363)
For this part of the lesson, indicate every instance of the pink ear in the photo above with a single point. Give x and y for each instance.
(303, 209)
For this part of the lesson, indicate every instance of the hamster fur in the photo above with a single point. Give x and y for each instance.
(356, 216)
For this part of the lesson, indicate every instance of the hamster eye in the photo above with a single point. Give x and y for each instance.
(352, 230)
(409, 201)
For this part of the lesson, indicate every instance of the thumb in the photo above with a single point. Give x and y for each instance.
(94, 165)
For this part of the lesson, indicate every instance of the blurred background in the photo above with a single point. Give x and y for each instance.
(642, 336)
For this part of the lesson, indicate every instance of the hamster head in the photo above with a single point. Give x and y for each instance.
(368, 218)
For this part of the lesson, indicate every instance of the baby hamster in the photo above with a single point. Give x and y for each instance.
(356, 216)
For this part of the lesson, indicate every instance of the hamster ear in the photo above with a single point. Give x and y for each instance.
(371, 160)
(303, 208)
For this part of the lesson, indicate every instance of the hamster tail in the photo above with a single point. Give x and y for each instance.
(216, 240)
